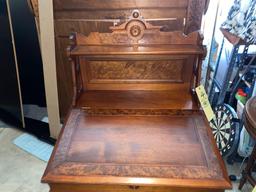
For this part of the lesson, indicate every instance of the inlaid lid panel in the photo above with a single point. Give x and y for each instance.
(95, 148)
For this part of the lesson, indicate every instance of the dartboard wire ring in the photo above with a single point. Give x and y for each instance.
(225, 130)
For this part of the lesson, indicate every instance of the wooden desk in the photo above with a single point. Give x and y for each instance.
(135, 122)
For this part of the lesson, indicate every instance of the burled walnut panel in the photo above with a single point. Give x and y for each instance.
(101, 75)
(136, 70)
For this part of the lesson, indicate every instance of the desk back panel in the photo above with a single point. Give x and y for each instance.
(86, 16)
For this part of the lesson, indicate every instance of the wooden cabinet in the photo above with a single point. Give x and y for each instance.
(135, 123)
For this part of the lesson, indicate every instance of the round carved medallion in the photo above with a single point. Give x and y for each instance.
(135, 30)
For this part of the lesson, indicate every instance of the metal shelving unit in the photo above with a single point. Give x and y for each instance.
(218, 92)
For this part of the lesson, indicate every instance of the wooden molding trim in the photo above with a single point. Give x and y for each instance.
(49, 64)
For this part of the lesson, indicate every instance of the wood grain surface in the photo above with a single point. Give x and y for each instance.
(135, 122)
(147, 100)
(96, 149)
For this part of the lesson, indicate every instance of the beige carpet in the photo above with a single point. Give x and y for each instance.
(1, 129)
(19, 171)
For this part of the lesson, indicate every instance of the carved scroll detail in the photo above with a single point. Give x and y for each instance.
(136, 31)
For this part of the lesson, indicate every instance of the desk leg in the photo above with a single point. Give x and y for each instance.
(248, 170)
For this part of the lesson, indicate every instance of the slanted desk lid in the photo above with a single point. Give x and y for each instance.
(137, 150)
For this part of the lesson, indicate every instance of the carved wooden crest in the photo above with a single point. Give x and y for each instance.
(135, 26)
(137, 31)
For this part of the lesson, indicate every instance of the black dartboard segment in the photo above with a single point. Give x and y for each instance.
(225, 129)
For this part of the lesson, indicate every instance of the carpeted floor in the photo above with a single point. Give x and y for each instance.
(19, 171)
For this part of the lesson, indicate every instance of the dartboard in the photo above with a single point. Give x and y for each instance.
(225, 129)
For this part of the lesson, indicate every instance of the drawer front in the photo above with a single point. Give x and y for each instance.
(118, 188)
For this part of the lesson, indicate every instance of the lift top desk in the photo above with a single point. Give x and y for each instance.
(135, 123)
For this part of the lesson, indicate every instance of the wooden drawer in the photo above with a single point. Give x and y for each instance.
(107, 188)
